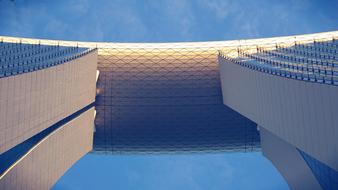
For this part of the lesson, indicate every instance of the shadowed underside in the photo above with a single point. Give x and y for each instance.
(167, 96)
(161, 100)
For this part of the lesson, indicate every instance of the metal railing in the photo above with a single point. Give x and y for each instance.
(315, 62)
(17, 58)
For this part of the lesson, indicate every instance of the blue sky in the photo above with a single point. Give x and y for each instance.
(238, 171)
(168, 21)
(165, 20)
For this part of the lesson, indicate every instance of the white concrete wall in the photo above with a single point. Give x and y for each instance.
(31, 102)
(47, 161)
(290, 163)
(303, 114)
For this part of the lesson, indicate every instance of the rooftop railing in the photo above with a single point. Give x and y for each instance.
(17, 58)
(314, 62)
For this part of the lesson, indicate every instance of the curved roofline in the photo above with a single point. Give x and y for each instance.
(176, 45)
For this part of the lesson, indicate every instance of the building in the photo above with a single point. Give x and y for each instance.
(60, 100)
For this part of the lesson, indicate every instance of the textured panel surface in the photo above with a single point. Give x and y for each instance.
(46, 162)
(153, 100)
(301, 112)
(31, 102)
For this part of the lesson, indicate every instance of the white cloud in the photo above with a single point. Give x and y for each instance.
(180, 14)
(221, 8)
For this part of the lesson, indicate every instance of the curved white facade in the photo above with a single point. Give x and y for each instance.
(48, 160)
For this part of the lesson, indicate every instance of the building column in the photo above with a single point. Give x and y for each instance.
(288, 160)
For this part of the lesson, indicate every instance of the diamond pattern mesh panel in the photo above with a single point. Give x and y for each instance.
(163, 100)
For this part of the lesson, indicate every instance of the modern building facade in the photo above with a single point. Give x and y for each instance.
(60, 100)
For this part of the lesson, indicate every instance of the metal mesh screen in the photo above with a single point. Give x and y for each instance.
(162, 100)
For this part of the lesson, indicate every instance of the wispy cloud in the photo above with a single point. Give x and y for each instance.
(184, 15)
(164, 20)
(221, 8)
(238, 171)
